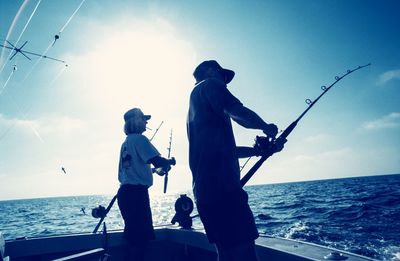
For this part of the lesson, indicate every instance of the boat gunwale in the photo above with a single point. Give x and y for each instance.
(266, 245)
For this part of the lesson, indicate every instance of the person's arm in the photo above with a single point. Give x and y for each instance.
(160, 162)
(162, 165)
(245, 152)
(249, 119)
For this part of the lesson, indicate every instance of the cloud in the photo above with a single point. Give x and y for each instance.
(63, 124)
(54, 124)
(318, 138)
(388, 76)
(15, 122)
(326, 156)
(392, 120)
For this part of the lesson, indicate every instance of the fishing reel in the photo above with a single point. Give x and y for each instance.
(266, 146)
(183, 208)
(99, 212)
(263, 145)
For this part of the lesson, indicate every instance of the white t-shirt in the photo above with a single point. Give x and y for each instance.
(133, 167)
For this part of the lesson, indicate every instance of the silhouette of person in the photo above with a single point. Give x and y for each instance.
(213, 158)
(135, 177)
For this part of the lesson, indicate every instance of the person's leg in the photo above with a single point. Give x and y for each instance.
(223, 254)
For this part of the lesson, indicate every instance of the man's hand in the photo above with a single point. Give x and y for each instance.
(271, 130)
(163, 170)
(279, 144)
(172, 161)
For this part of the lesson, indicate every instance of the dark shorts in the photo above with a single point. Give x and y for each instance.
(228, 221)
(134, 204)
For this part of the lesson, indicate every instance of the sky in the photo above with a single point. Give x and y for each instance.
(114, 55)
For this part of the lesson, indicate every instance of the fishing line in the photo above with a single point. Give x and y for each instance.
(43, 55)
(6, 131)
(8, 79)
(55, 158)
(69, 20)
(36, 63)
(16, 17)
(272, 144)
(23, 30)
(282, 137)
(57, 76)
(24, 116)
(13, 125)
(244, 165)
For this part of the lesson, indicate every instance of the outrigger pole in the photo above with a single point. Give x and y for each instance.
(23, 52)
(282, 138)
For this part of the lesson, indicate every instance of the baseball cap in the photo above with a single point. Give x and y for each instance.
(135, 113)
(202, 68)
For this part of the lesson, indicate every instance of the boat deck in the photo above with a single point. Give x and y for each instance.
(170, 244)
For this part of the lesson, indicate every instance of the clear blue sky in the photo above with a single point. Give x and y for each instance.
(124, 54)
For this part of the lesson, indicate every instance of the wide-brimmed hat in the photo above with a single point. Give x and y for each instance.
(135, 113)
(199, 72)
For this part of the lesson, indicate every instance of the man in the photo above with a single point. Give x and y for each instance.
(213, 159)
(135, 176)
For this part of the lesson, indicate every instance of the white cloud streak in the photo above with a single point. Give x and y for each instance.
(19, 123)
(62, 124)
(318, 138)
(391, 120)
(388, 76)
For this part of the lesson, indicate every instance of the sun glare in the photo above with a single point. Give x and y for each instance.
(143, 64)
(146, 65)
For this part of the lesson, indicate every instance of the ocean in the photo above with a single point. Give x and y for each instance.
(359, 215)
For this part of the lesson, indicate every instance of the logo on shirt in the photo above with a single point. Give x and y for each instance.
(126, 158)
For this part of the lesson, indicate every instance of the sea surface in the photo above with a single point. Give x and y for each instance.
(359, 215)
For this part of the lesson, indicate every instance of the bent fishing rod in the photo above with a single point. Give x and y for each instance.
(269, 146)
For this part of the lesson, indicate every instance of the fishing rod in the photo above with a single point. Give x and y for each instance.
(101, 212)
(155, 132)
(169, 155)
(268, 146)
